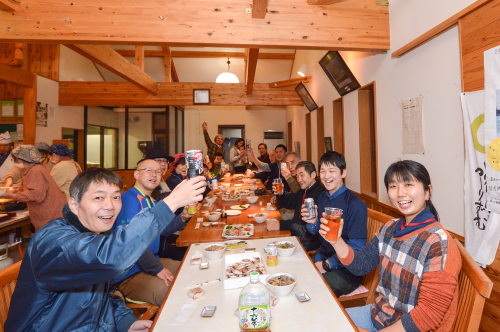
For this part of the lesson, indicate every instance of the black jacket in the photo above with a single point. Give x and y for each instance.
(294, 201)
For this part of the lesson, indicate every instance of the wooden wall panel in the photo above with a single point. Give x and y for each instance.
(479, 31)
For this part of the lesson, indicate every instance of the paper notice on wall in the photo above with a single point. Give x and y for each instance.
(413, 139)
(7, 109)
(20, 130)
(20, 108)
(41, 114)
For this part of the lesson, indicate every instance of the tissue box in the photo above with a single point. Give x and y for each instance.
(273, 225)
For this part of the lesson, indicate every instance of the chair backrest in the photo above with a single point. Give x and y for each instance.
(8, 277)
(474, 287)
(375, 221)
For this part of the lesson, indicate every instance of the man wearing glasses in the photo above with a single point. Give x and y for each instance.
(150, 278)
(161, 157)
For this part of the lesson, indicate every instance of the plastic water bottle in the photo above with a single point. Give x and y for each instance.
(223, 166)
(255, 306)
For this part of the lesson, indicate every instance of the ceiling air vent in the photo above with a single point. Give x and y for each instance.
(274, 135)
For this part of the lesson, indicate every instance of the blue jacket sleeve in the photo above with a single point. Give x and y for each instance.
(314, 228)
(174, 226)
(69, 260)
(124, 316)
(355, 244)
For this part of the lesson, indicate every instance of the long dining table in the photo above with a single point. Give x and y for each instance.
(213, 233)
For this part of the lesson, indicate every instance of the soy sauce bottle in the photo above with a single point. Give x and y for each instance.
(223, 214)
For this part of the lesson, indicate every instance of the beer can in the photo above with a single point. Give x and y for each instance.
(272, 254)
(283, 165)
(194, 163)
(248, 143)
(309, 202)
(193, 208)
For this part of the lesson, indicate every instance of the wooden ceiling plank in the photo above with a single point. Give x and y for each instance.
(323, 2)
(290, 82)
(167, 63)
(350, 25)
(139, 57)
(14, 62)
(16, 75)
(9, 6)
(106, 57)
(253, 56)
(208, 55)
(125, 93)
(259, 8)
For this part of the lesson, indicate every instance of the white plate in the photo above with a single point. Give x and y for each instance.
(238, 185)
(233, 213)
(238, 237)
(239, 207)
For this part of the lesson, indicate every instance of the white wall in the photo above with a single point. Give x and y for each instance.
(256, 121)
(63, 116)
(433, 71)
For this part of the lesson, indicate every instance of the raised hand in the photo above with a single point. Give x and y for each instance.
(304, 213)
(204, 125)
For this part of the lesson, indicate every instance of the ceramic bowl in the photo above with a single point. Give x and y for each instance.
(253, 181)
(260, 219)
(252, 199)
(211, 200)
(205, 224)
(281, 290)
(253, 187)
(285, 252)
(213, 217)
(224, 188)
(215, 254)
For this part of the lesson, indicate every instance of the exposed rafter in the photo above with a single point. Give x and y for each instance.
(253, 56)
(15, 75)
(12, 62)
(9, 5)
(127, 94)
(323, 2)
(214, 55)
(259, 8)
(139, 57)
(114, 62)
(291, 82)
(175, 77)
(292, 24)
(168, 63)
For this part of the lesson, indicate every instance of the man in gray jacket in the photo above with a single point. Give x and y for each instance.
(68, 269)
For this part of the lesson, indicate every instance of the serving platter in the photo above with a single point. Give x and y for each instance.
(237, 231)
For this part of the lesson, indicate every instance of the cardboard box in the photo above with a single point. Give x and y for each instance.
(231, 283)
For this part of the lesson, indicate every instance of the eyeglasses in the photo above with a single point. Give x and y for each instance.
(162, 161)
(151, 170)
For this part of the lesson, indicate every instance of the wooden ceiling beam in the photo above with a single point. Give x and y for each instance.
(292, 82)
(9, 5)
(167, 63)
(208, 55)
(14, 62)
(114, 62)
(175, 77)
(253, 56)
(16, 75)
(323, 2)
(139, 57)
(292, 24)
(126, 94)
(259, 8)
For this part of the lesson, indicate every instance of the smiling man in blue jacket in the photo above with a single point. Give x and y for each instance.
(70, 264)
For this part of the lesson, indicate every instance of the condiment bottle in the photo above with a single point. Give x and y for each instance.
(223, 214)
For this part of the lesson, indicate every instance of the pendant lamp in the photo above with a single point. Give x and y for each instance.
(227, 77)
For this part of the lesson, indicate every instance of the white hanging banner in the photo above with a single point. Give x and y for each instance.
(476, 215)
(413, 138)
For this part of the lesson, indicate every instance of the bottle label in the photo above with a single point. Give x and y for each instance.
(254, 317)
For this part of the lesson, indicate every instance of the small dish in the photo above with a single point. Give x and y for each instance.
(302, 297)
(208, 311)
(233, 212)
(204, 266)
(205, 224)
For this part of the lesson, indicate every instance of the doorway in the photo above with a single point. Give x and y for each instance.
(230, 133)
(321, 131)
(308, 137)
(338, 126)
(289, 137)
(368, 140)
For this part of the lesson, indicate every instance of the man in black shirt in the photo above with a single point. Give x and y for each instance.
(310, 188)
(264, 156)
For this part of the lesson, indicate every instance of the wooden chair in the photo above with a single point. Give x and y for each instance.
(375, 221)
(142, 310)
(8, 278)
(474, 287)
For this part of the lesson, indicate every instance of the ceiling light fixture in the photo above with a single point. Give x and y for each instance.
(227, 77)
(303, 70)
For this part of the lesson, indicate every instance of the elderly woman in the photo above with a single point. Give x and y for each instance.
(37, 188)
(15, 174)
(43, 148)
(65, 169)
(238, 156)
(178, 174)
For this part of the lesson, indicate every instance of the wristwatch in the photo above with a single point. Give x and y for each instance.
(326, 266)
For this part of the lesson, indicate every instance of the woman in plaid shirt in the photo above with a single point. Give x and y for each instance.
(418, 260)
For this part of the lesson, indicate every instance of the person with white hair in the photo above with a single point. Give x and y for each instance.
(6, 160)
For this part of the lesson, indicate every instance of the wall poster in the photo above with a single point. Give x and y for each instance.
(41, 114)
(413, 138)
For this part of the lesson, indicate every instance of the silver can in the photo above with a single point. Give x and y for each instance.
(283, 165)
(248, 143)
(194, 163)
(309, 202)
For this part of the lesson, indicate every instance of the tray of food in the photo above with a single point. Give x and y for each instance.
(237, 268)
(231, 197)
(237, 231)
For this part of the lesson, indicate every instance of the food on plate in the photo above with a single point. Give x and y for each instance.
(243, 268)
(236, 245)
(214, 248)
(286, 245)
(233, 195)
(195, 293)
(238, 230)
(282, 280)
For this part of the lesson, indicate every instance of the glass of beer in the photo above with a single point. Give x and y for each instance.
(333, 216)
(278, 185)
